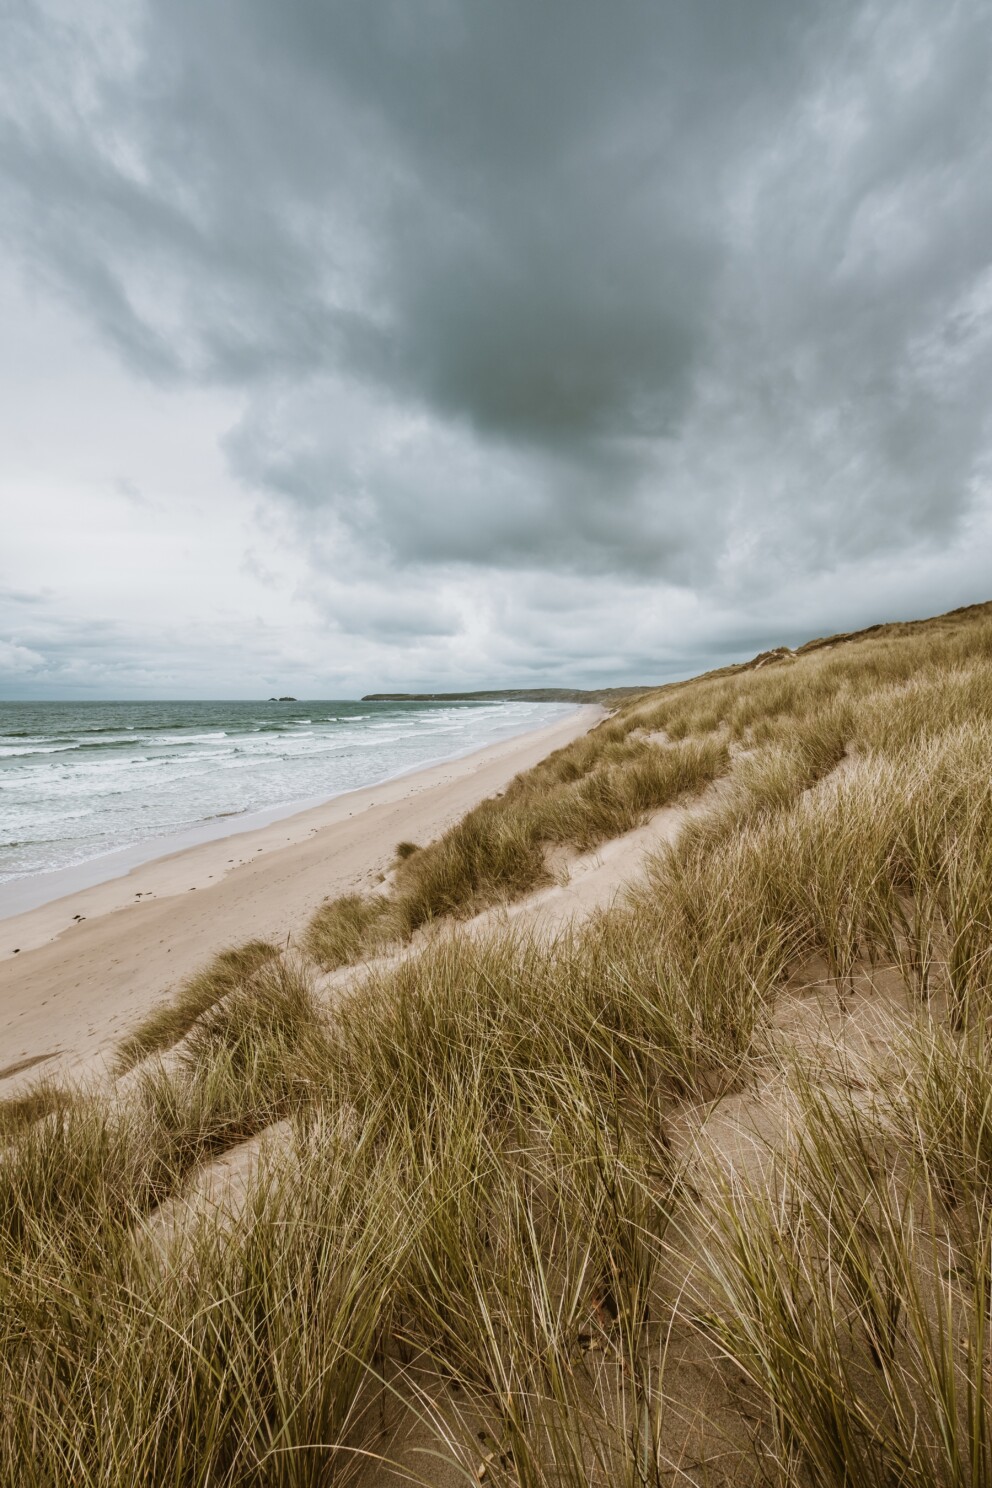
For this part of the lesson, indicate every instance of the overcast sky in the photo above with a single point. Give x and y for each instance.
(438, 343)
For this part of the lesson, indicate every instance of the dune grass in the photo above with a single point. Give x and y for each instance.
(856, 1294)
(164, 1027)
(490, 1223)
(347, 928)
(875, 694)
(43, 1098)
(601, 786)
(94, 1162)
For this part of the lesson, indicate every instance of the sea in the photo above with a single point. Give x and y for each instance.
(100, 786)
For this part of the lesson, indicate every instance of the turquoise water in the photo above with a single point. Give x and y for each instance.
(79, 780)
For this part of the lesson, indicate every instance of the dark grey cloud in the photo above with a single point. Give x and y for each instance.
(698, 294)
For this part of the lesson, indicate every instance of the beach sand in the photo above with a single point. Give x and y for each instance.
(91, 964)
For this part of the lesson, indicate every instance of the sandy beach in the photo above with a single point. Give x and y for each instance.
(77, 972)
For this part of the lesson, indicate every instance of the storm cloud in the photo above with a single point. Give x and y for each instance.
(540, 340)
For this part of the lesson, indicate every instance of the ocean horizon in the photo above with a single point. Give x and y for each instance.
(80, 781)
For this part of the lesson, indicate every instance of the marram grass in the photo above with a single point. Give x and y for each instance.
(503, 1240)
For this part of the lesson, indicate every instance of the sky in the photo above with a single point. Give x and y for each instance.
(426, 344)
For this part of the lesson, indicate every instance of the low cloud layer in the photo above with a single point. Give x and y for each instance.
(530, 342)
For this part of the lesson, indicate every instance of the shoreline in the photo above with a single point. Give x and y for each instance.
(21, 896)
(92, 962)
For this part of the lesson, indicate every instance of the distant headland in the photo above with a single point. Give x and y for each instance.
(507, 695)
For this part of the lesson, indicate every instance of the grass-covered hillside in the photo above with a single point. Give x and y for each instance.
(697, 1193)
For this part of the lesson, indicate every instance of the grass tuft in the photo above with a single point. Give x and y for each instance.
(346, 929)
(45, 1098)
(164, 1028)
